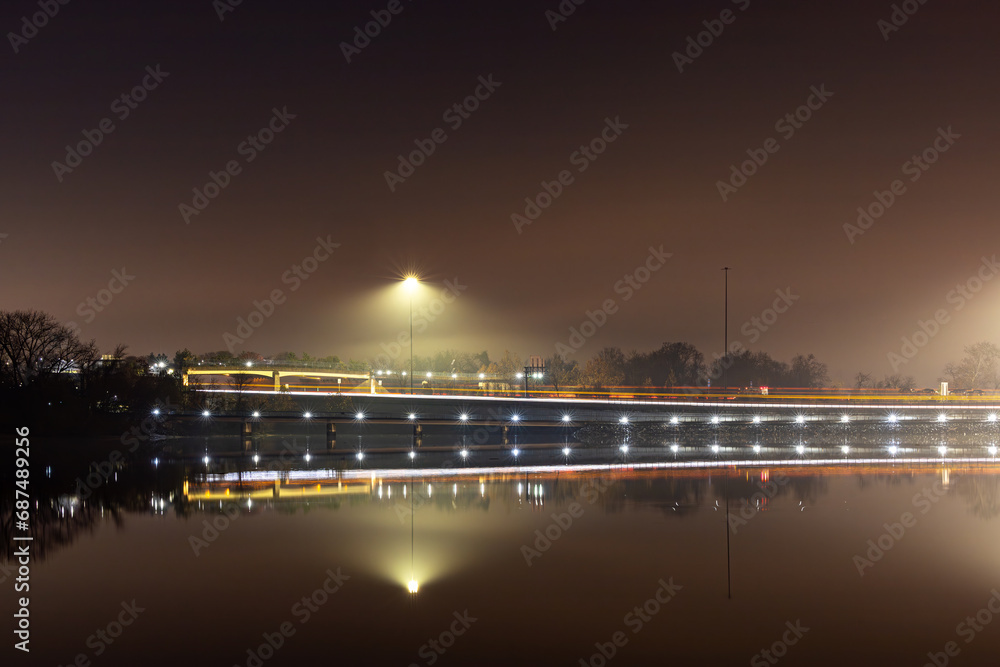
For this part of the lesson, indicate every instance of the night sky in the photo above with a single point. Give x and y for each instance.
(881, 94)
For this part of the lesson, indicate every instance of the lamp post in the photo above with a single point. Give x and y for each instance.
(410, 283)
(725, 350)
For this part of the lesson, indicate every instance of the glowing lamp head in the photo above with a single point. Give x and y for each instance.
(412, 586)
(410, 283)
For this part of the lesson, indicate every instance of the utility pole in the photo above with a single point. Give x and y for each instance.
(725, 350)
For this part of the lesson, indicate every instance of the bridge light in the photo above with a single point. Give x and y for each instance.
(893, 418)
(623, 420)
(565, 418)
(256, 415)
(515, 418)
(756, 449)
(942, 450)
(845, 449)
(307, 415)
(516, 452)
(412, 416)
(942, 417)
(206, 460)
(464, 417)
(800, 449)
(482, 375)
(715, 449)
(756, 419)
(799, 419)
(624, 449)
(565, 451)
(429, 374)
(674, 420)
(156, 412)
(465, 453)
(844, 419)
(308, 457)
(992, 417)
(993, 450)
(206, 413)
(893, 450)
(413, 454)
(361, 456)
(249, 364)
(359, 416)
(256, 458)
(674, 448)
(715, 419)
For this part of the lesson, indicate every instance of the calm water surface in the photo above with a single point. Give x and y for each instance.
(869, 565)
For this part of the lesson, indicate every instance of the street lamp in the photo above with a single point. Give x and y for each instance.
(410, 283)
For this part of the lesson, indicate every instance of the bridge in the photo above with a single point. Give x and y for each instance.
(361, 381)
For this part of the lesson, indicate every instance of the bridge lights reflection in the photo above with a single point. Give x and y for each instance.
(992, 417)
(845, 449)
(942, 417)
(800, 449)
(756, 449)
(413, 454)
(359, 416)
(845, 419)
(674, 421)
(942, 450)
(464, 453)
(893, 450)
(892, 418)
(800, 419)
(515, 452)
(756, 419)
(307, 415)
(675, 448)
(993, 450)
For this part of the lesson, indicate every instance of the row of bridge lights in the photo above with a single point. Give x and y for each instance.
(675, 448)
(891, 418)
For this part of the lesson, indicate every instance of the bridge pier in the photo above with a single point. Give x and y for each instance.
(277, 380)
(331, 434)
(506, 434)
(247, 431)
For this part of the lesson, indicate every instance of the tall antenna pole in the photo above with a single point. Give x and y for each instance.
(725, 351)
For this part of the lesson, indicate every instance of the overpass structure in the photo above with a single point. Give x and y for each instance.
(285, 372)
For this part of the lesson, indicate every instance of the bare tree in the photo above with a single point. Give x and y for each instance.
(34, 344)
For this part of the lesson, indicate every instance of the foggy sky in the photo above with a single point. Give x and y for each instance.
(888, 95)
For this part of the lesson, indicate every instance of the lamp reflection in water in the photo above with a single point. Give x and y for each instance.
(413, 585)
